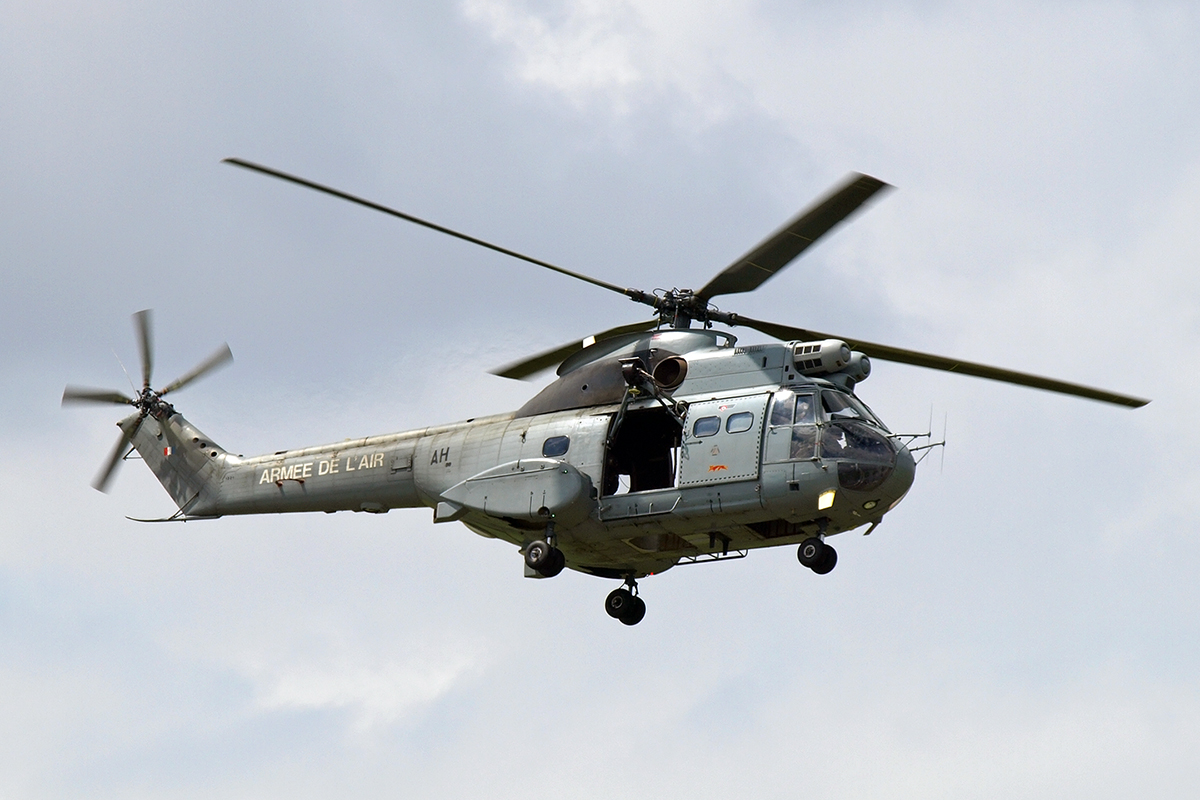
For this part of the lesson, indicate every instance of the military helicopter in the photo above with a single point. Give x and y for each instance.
(660, 443)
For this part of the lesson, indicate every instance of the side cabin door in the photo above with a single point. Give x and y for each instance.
(722, 440)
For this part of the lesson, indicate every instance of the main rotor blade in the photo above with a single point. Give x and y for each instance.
(80, 394)
(145, 345)
(777, 251)
(535, 364)
(887, 353)
(101, 481)
(222, 356)
(237, 162)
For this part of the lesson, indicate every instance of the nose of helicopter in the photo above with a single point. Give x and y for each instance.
(901, 479)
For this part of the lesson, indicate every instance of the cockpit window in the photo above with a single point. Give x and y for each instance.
(806, 410)
(781, 412)
(843, 406)
(864, 455)
(556, 446)
(706, 426)
(854, 440)
(804, 443)
(837, 406)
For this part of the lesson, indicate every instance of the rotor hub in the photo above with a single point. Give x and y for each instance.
(150, 403)
(678, 308)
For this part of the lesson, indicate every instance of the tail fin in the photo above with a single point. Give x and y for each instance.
(185, 461)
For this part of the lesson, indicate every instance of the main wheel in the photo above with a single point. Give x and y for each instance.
(635, 611)
(539, 555)
(619, 603)
(827, 563)
(811, 552)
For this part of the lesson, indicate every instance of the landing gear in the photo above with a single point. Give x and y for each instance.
(817, 556)
(827, 563)
(545, 558)
(626, 606)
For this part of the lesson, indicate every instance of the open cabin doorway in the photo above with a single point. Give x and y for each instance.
(644, 453)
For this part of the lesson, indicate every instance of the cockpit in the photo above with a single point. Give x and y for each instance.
(818, 424)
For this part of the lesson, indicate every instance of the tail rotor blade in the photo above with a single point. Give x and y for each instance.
(80, 394)
(104, 476)
(145, 345)
(222, 356)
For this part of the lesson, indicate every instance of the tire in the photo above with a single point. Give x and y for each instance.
(539, 555)
(635, 613)
(828, 563)
(812, 552)
(557, 562)
(619, 602)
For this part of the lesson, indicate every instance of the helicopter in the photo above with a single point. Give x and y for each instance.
(660, 443)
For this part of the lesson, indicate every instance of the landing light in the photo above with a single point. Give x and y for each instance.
(870, 504)
(826, 500)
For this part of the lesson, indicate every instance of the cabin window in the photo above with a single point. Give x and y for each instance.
(556, 446)
(740, 422)
(706, 426)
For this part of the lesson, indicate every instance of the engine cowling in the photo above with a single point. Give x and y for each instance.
(832, 359)
(821, 358)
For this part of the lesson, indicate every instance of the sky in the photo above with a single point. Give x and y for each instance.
(1024, 625)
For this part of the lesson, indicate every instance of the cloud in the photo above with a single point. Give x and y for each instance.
(588, 52)
(378, 693)
(1026, 619)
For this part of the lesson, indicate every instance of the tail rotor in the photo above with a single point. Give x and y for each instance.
(147, 402)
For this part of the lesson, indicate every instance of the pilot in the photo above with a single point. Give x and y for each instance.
(805, 411)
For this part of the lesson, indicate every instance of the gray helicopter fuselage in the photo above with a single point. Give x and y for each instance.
(744, 452)
(658, 444)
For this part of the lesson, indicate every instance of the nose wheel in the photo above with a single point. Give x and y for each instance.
(625, 605)
(817, 556)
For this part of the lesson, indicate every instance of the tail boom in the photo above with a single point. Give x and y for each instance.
(373, 474)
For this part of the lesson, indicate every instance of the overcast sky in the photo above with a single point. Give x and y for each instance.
(1024, 625)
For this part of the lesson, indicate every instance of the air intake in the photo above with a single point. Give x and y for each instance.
(821, 358)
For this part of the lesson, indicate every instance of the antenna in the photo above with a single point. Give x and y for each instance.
(127, 376)
(945, 421)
